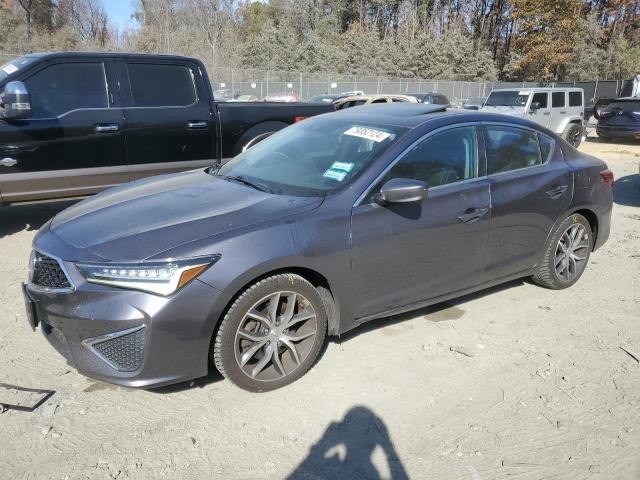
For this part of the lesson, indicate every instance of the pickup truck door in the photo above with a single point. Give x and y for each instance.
(72, 144)
(169, 124)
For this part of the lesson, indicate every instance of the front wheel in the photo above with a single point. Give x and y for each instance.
(573, 134)
(566, 253)
(272, 333)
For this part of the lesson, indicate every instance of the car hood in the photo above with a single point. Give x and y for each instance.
(143, 219)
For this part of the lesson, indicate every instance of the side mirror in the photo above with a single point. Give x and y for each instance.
(402, 190)
(15, 101)
(535, 106)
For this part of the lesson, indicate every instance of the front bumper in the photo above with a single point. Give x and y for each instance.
(130, 338)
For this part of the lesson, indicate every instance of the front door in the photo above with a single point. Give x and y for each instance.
(531, 186)
(72, 144)
(403, 254)
(168, 118)
(541, 114)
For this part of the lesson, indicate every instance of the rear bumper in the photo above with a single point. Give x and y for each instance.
(618, 132)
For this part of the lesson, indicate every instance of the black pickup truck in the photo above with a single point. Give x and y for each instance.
(72, 124)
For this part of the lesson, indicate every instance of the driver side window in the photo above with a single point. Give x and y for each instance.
(445, 157)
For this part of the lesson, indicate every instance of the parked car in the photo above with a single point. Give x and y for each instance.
(626, 88)
(87, 121)
(222, 95)
(357, 100)
(559, 109)
(245, 98)
(352, 93)
(431, 98)
(620, 119)
(475, 103)
(324, 98)
(327, 224)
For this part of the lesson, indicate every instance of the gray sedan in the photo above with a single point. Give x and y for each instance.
(327, 224)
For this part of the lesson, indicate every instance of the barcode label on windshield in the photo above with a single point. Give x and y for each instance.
(368, 133)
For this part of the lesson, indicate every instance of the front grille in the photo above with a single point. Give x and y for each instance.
(48, 273)
(122, 351)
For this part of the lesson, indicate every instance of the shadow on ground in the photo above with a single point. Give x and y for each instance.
(31, 216)
(359, 446)
(626, 191)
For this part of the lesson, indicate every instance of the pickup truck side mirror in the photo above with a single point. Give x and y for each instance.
(535, 106)
(402, 190)
(15, 101)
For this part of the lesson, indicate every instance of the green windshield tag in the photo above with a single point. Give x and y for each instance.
(335, 174)
(347, 167)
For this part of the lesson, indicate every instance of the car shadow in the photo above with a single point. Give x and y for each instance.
(626, 191)
(212, 377)
(359, 446)
(448, 310)
(29, 216)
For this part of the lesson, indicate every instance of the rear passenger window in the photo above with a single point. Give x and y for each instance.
(63, 87)
(446, 157)
(546, 146)
(510, 148)
(558, 99)
(541, 98)
(161, 85)
(575, 99)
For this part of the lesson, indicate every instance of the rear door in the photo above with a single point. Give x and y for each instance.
(542, 114)
(558, 111)
(168, 118)
(72, 144)
(406, 253)
(531, 186)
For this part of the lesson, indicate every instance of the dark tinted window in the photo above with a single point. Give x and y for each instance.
(575, 99)
(629, 106)
(443, 158)
(541, 98)
(546, 146)
(64, 87)
(557, 99)
(510, 148)
(161, 85)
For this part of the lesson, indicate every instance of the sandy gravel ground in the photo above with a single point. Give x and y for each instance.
(541, 387)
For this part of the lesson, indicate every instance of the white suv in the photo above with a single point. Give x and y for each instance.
(561, 110)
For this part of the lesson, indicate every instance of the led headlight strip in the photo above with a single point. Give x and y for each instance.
(161, 278)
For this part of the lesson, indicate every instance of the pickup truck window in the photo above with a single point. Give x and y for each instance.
(311, 158)
(63, 87)
(156, 85)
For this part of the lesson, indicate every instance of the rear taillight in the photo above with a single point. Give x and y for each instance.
(607, 177)
(299, 118)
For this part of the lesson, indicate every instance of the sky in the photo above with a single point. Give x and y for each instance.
(119, 12)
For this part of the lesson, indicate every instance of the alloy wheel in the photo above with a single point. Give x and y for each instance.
(572, 252)
(275, 336)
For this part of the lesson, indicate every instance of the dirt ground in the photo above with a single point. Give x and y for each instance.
(515, 382)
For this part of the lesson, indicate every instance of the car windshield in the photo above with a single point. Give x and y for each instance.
(507, 99)
(311, 158)
(15, 65)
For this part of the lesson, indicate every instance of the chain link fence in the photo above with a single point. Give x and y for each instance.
(261, 84)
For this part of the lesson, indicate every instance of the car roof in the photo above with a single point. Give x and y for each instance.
(130, 55)
(412, 115)
(538, 89)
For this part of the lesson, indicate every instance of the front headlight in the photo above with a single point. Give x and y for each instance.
(161, 278)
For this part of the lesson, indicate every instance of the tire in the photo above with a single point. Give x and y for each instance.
(573, 134)
(550, 272)
(257, 347)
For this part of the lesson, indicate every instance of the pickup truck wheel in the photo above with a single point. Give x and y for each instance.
(566, 254)
(573, 134)
(272, 334)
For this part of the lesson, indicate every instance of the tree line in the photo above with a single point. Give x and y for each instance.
(519, 40)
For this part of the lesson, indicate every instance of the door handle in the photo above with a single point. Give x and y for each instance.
(197, 125)
(8, 162)
(547, 113)
(556, 191)
(107, 127)
(563, 112)
(472, 215)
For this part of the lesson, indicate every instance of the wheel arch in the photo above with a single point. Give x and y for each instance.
(592, 218)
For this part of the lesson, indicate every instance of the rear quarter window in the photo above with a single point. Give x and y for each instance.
(157, 85)
(575, 99)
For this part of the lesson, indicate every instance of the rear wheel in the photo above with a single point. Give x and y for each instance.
(272, 333)
(573, 134)
(566, 254)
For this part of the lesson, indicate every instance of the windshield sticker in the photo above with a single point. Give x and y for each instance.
(335, 174)
(10, 68)
(368, 133)
(347, 167)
